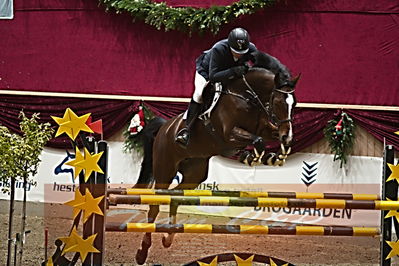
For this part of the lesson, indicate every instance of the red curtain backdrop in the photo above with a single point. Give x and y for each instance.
(308, 123)
(347, 51)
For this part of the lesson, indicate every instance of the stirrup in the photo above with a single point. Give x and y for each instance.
(182, 138)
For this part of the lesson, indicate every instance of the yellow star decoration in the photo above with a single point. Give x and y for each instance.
(214, 262)
(70, 241)
(78, 158)
(86, 162)
(84, 246)
(241, 262)
(392, 213)
(76, 203)
(397, 132)
(395, 249)
(87, 203)
(91, 205)
(272, 263)
(90, 164)
(394, 172)
(71, 124)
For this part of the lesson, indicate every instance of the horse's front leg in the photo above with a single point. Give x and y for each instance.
(250, 158)
(277, 159)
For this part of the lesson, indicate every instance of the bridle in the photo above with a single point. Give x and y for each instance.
(268, 107)
(273, 118)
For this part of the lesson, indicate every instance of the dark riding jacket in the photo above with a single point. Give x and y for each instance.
(215, 64)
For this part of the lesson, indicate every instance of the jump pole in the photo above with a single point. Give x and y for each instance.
(253, 202)
(243, 229)
(248, 194)
(317, 230)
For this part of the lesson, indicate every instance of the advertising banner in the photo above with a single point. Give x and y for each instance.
(303, 172)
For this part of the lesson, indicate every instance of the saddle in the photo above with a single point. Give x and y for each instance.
(210, 96)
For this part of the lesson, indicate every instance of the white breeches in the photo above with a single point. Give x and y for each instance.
(199, 83)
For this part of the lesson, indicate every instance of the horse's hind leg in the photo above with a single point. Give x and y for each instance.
(153, 212)
(142, 253)
(194, 172)
(168, 239)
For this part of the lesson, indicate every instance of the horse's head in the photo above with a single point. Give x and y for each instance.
(280, 107)
(273, 96)
(279, 93)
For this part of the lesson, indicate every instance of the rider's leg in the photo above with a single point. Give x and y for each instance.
(183, 136)
(194, 108)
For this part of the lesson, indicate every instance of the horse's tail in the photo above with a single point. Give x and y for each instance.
(148, 136)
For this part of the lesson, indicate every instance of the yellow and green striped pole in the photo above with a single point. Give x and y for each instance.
(243, 229)
(254, 202)
(247, 194)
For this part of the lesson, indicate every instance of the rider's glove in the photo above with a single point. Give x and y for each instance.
(239, 70)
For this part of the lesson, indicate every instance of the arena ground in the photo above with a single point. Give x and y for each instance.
(121, 247)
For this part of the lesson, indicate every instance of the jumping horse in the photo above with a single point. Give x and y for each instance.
(250, 111)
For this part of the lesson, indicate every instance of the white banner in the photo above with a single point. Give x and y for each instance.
(58, 177)
(303, 172)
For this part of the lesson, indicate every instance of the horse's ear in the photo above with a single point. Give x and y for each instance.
(295, 80)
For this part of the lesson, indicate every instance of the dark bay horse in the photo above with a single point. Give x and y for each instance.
(248, 112)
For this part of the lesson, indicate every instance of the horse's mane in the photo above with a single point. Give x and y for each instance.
(266, 61)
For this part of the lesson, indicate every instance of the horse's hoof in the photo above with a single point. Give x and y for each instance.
(258, 158)
(249, 159)
(256, 161)
(141, 256)
(282, 156)
(279, 162)
(166, 242)
(244, 156)
(270, 159)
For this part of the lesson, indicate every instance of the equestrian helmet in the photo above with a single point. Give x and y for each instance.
(239, 40)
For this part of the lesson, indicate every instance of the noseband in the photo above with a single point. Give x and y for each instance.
(268, 107)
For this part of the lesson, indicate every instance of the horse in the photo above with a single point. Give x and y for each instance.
(250, 110)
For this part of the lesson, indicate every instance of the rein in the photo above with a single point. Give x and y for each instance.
(268, 107)
(274, 118)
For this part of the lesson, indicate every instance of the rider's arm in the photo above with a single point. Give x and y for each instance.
(249, 55)
(215, 73)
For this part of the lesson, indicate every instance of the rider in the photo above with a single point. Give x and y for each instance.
(226, 60)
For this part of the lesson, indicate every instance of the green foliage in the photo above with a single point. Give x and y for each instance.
(19, 155)
(186, 19)
(340, 140)
(135, 142)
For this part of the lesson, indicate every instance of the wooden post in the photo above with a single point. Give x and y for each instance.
(389, 191)
(101, 190)
(88, 226)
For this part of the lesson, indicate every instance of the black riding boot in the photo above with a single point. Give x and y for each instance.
(183, 136)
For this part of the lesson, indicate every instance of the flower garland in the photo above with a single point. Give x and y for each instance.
(133, 138)
(186, 19)
(340, 135)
